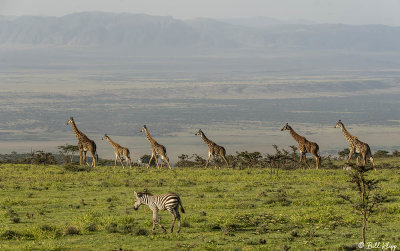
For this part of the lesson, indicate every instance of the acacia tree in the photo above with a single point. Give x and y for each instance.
(68, 151)
(367, 201)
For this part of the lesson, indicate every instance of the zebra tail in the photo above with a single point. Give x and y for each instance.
(180, 203)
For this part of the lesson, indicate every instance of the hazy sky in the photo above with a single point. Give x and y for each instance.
(323, 11)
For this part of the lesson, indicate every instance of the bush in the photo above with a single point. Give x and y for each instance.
(76, 168)
(192, 161)
(141, 231)
(112, 228)
(40, 158)
(381, 154)
(14, 235)
(71, 230)
(91, 227)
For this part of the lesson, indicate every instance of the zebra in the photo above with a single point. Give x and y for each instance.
(170, 202)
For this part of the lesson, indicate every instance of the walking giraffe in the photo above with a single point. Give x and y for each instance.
(356, 145)
(84, 144)
(118, 151)
(213, 149)
(305, 146)
(156, 149)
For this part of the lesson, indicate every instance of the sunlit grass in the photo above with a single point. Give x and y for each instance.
(52, 207)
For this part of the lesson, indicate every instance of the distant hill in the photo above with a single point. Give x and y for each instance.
(140, 31)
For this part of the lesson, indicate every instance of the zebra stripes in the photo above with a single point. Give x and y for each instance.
(169, 202)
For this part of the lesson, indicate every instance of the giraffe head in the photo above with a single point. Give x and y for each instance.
(144, 128)
(339, 124)
(70, 121)
(199, 132)
(104, 137)
(286, 127)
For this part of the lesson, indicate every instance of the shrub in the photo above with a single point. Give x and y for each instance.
(112, 228)
(91, 227)
(14, 235)
(141, 231)
(125, 228)
(16, 219)
(76, 168)
(71, 230)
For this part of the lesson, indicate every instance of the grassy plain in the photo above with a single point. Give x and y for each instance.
(61, 208)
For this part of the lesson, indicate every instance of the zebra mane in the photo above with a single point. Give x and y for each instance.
(140, 194)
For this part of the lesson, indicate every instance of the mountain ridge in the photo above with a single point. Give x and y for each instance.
(142, 31)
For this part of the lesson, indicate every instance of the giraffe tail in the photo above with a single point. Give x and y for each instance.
(97, 157)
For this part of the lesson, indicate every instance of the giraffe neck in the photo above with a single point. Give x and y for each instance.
(78, 133)
(206, 140)
(296, 136)
(347, 135)
(112, 143)
(149, 138)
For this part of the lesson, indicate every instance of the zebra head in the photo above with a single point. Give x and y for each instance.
(138, 201)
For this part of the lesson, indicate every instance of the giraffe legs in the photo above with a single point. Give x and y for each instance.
(317, 161)
(128, 161)
(351, 155)
(165, 158)
(372, 161)
(93, 159)
(156, 158)
(80, 156)
(224, 158)
(209, 156)
(120, 160)
(152, 155)
(84, 157)
(215, 162)
(301, 158)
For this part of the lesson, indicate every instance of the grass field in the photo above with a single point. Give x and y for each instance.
(59, 208)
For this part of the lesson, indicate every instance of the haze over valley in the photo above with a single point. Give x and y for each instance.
(239, 82)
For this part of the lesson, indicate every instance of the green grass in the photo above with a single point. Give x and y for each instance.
(57, 208)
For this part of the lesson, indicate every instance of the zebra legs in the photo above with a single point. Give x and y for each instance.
(176, 215)
(155, 221)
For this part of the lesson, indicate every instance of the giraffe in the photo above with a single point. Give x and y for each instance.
(118, 151)
(84, 144)
(356, 145)
(305, 146)
(213, 149)
(156, 149)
